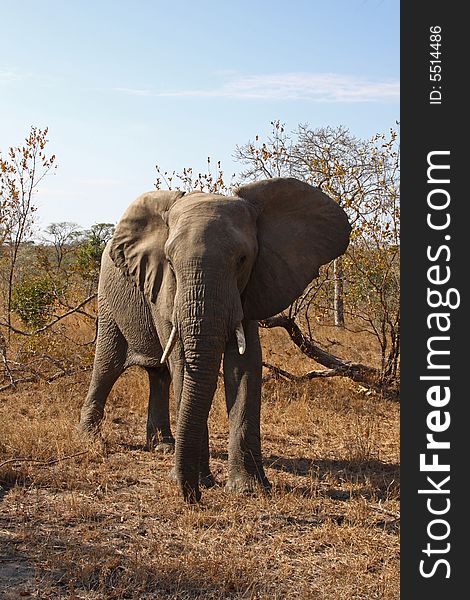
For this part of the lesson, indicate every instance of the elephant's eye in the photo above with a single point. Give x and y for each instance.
(241, 261)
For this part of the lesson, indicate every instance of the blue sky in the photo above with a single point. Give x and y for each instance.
(125, 85)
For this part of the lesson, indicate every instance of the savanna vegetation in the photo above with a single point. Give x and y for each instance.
(102, 520)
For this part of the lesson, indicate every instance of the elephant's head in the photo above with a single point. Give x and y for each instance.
(213, 261)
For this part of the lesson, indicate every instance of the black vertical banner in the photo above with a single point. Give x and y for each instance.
(435, 433)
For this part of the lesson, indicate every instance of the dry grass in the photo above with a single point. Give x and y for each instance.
(108, 523)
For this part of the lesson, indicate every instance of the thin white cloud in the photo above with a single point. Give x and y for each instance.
(9, 77)
(314, 87)
(135, 92)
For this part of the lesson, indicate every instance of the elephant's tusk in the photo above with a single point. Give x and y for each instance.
(240, 334)
(170, 345)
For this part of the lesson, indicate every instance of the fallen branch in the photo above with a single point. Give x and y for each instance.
(16, 381)
(305, 377)
(38, 377)
(60, 374)
(42, 463)
(336, 367)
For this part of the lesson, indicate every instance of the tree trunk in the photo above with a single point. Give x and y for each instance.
(338, 304)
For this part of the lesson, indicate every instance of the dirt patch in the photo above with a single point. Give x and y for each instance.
(17, 574)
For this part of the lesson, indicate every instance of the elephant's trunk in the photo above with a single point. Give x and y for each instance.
(204, 318)
(199, 385)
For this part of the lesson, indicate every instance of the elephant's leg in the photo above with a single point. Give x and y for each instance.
(206, 479)
(242, 376)
(109, 363)
(159, 436)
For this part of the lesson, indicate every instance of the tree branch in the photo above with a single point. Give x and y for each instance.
(356, 371)
(305, 377)
(52, 323)
(42, 463)
(37, 376)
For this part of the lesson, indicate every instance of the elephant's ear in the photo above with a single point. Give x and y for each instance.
(299, 229)
(137, 246)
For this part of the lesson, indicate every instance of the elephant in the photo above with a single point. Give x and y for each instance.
(184, 281)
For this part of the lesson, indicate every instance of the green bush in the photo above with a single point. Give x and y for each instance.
(90, 250)
(33, 300)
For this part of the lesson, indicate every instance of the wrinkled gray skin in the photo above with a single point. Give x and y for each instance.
(204, 263)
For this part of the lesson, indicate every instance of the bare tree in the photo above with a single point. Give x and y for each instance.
(188, 181)
(62, 237)
(363, 177)
(267, 159)
(325, 157)
(21, 171)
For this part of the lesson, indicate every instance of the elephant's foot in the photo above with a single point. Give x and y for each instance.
(92, 437)
(91, 417)
(190, 493)
(89, 431)
(206, 480)
(165, 448)
(244, 483)
(162, 445)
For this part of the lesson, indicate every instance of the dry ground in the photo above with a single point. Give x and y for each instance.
(104, 521)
